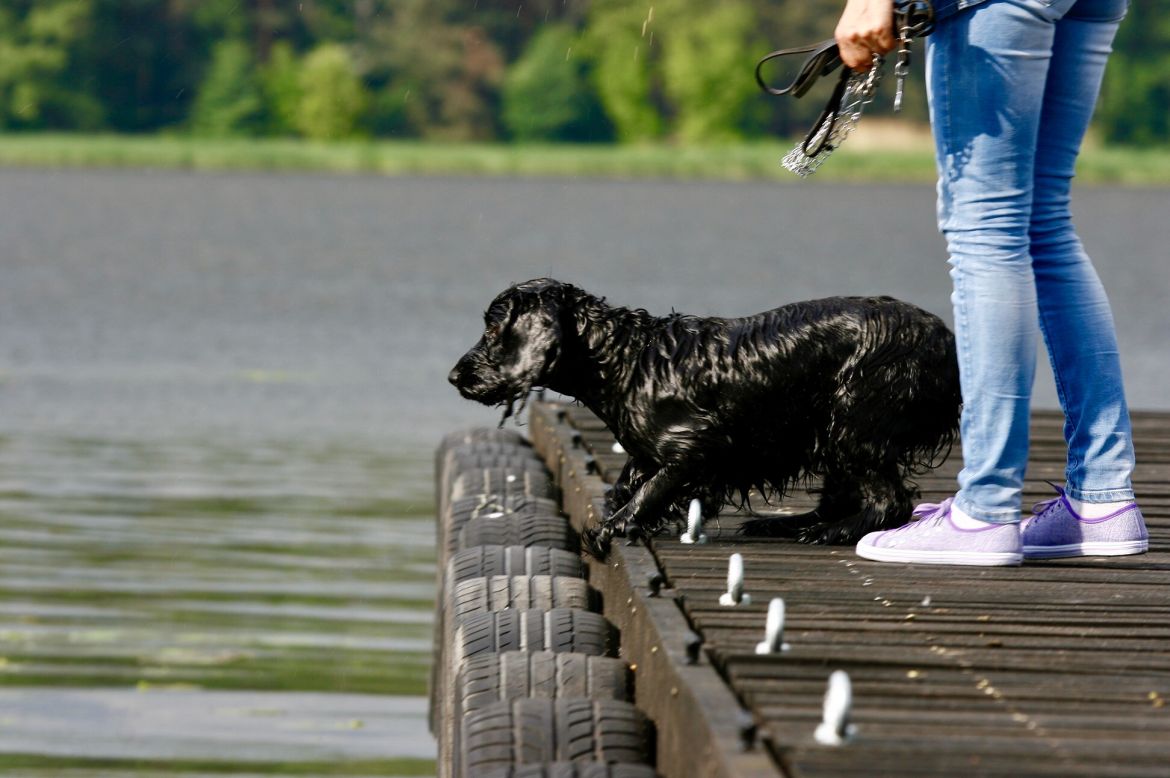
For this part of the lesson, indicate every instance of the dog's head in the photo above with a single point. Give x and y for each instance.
(519, 347)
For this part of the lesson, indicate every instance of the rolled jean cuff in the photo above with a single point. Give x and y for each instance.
(1100, 495)
(994, 517)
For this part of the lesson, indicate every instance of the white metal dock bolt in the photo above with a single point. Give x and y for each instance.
(735, 594)
(773, 629)
(694, 533)
(835, 728)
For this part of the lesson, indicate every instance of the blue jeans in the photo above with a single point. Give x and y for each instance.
(1012, 85)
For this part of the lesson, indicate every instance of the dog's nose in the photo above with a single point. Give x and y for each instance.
(463, 374)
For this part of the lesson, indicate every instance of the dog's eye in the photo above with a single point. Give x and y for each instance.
(493, 331)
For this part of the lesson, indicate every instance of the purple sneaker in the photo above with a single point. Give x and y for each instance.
(1055, 530)
(935, 540)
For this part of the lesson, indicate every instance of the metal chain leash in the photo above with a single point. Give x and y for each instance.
(835, 128)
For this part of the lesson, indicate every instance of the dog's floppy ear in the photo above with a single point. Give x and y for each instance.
(521, 345)
(528, 344)
(534, 342)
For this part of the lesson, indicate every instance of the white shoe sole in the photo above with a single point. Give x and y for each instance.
(1102, 548)
(981, 559)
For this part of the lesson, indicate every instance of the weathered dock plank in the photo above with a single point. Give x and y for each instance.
(1058, 667)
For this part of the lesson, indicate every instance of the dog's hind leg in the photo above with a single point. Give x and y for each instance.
(840, 497)
(881, 500)
(784, 526)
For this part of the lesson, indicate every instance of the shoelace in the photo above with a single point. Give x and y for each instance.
(928, 511)
(1042, 507)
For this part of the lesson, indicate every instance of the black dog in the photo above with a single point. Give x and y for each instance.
(861, 392)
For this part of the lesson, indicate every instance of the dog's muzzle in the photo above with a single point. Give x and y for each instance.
(466, 379)
(477, 381)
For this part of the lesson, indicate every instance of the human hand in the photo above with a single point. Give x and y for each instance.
(866, 28)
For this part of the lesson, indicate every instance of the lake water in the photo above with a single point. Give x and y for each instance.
(219, 397)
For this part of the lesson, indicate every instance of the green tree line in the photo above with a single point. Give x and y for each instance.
(538, 70)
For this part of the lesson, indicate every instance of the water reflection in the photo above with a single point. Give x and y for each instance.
(176, 575)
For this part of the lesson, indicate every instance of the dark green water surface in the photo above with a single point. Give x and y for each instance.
(166, 605)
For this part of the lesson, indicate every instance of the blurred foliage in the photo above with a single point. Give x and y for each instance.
(229, 101)
(332, 97)
(580, 70)
(620, 42)
(280, 82)
(708, 49)
(443, 76)
(1135, 99)
(38, 51)
(546, 93)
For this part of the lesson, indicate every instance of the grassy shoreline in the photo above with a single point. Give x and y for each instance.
(743, 162)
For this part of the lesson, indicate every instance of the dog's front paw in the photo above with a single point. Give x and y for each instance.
(597, 541)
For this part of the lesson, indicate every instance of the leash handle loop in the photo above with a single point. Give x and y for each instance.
(823, 59)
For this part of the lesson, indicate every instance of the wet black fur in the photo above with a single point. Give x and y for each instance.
(860, 392)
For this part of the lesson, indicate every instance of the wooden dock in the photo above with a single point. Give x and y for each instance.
(1055, 668)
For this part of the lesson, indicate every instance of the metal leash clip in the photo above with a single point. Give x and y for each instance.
(914, 19)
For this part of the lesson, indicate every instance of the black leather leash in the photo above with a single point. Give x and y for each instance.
(823, 59)
(912, 19)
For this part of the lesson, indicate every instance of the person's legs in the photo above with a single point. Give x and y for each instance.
(987, 73)
(1096, 514)
(1013, 85)
(1075, 316)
